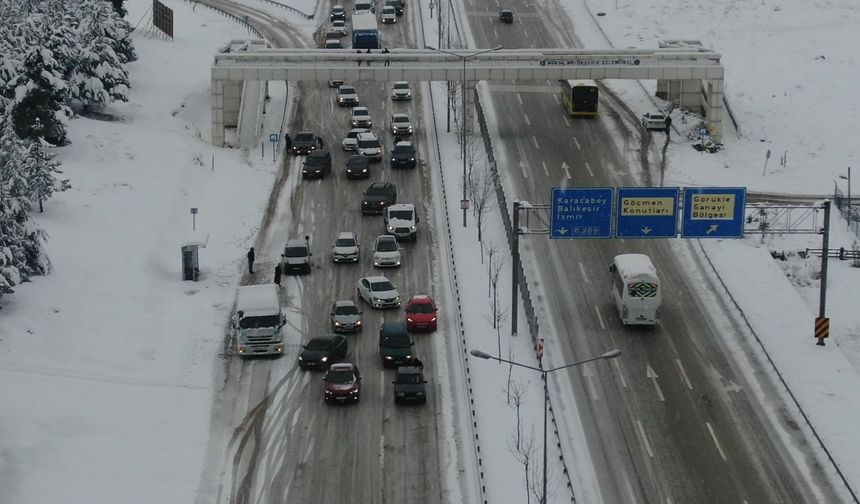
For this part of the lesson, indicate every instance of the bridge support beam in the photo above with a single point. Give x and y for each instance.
(225, 101)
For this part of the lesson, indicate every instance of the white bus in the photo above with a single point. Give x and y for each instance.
(636, 289)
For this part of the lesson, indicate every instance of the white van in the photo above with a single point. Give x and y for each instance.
(364, 7)
(636, 289)
(258, 321)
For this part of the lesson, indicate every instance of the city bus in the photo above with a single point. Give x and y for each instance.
(636, 289)
(579, 98)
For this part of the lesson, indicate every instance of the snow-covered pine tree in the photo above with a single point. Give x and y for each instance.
(40, 95)
(42, 170)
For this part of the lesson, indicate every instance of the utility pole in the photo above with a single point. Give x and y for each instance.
(515, 255)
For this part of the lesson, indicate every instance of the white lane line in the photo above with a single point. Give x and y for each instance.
(683, 374)
(526, 33)
(584, 275)
(523, 169)
(652, 375)
(716, 441)
(519, 98)
(565, 118)
(556, 99)
(589, 375)
(599, 318)
(382, 451)
(588, 167)
(545, 169)
(566, 171)
(577, 143)
(620, 373)
(645, 438)
(527, 120)
(534, 139)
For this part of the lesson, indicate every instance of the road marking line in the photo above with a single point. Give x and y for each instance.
(565, 119)
(382, 452)
(523, 169)
(584, 275)
(519, 98)
(577, 143)
(599, 318)
(527, 120)
(588, 375)
(526, 33)
(683, 374)
(534, 138)
(645, 438)
(588, 167)
(652, 375)
(716, 441)
(545, 170)
(566, 171)
(556, 99)
(620, 373)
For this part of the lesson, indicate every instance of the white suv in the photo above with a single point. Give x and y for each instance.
(401, 91)
(360, 118)
(368, 145)
(401, 220)
(350, 142)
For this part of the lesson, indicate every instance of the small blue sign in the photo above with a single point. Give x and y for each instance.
(713, 212)
(581, 212)
(273, 137)
(647, 212)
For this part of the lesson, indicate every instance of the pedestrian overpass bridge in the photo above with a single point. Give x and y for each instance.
(693, 76)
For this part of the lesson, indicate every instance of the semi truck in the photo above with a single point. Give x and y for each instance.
(258, 321)
(365, 32)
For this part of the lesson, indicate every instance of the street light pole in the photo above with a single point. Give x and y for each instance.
(545, 372)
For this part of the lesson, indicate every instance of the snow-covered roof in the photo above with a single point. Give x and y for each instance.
(196, 238)
(258, 300)
(635, 266)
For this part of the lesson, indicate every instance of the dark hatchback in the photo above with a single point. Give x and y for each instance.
(358, 166)
(506, 16)
(395, 345)
(403, 156)
(317, 164)
(409, 385)
(378, 196)
(321, 351)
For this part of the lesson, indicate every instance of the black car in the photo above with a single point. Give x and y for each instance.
(305, 142)
(403, 156)
(317, 164)
(397, 4)
(378, 196)
(409, 385)
(337, 12)
(321, 351)
(358, 166)
(506, 16)
(395, 345)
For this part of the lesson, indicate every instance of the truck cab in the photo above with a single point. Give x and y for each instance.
(258, 321)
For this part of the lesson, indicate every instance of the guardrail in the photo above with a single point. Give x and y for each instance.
(841, 253)
(293, 9)
(242, 21)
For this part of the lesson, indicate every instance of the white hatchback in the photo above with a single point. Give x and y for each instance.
(386, 252)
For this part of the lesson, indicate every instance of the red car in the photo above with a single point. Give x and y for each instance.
(342, 383)
(421, 313)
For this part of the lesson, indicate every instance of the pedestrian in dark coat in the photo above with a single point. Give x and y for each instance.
(288, 142)
(251, 261)
(278, 272)
(668, 124)
(320, 142)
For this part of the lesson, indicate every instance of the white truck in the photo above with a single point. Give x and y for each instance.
(258, 321)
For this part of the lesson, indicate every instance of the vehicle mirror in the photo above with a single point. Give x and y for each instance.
(612, 268)
(394, 382)
(423, 381)
(283, 320)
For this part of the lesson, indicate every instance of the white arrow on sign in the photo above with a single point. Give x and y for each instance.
(652, 375)
(712, 229)
(562, 231)
(646, 230)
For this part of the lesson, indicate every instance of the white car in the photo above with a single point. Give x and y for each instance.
(360, 118)
(379, 292)
(400, 124)
(339, 26)
(347, 96)
(386, 252)
(401, 91)
(333, 44)
(654, 121)
(350, 143)
(401, 221)
(368, 145)
(345, 248)
(389, 15)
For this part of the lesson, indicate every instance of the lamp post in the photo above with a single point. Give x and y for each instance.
(843, 177)
(464, 57)
(608, 355)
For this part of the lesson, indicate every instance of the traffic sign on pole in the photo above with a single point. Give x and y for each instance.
(713, 212)
(647, 212)
(581, 212)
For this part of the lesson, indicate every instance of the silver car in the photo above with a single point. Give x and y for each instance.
(400, 124)
(401, 91)
(386, 252)
(345, 316)
(350, 142)
(345, 248)
(379, 292)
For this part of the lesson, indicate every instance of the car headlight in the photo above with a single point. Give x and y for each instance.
(388, 357)
(337, 324)
(364, 170)
(390, 228)
(409, 319)
(408, 357)
(324, 359)
(412, 227)
(242, 349)
(412, 159)
(358, 323)
(300, 358)
(433, 319)
(353, 392)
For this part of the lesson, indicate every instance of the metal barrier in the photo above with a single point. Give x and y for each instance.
(847, 210)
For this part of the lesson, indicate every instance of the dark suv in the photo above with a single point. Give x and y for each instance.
(317, 164)
(377, 197)
(409, 385)
(395, 345)
(304, 143)
(403, 155)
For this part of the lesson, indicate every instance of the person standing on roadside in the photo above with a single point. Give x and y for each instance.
(668, 124)
(278, 272)
(251, 261)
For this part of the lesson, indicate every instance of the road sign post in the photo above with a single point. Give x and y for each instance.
(647, 212)
(713, 212)
(581, 212)
(273, 137)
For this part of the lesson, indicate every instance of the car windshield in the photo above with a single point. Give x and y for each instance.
(381, 286)
(347, 90)
(388, 9)
(401, 85)
(356, 112)
(397, 340)
(401, 119)
(377, 191)
(400, 214)
(368, 144)
(403, 149)
(295, 252)
(344, 242)
(318, 344)
(409, 379)
(386, 246)
(259, 322)
(340, 376)
(421, 308)
(304, 137)
(346, 310)
(357, 161)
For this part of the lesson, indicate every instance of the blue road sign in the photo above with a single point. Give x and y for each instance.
(581, 212)
(713, 212)
(647, 212)
(273, 137)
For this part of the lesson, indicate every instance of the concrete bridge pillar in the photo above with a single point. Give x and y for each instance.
(217, 111)
(714, 107)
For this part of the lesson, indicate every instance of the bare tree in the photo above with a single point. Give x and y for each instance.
(525, 451)
(482, 192)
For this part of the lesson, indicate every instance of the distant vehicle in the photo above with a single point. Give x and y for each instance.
(378, 292)
(342, 383)
(506, 16)
(317, 164)
(401, 221)
(579, 98)
(347, 96)
(397, 4)
(636, 289)
(359, 117)
(421, 313)
(400, 91)
(395, 345)
(304, 143)
(403, 155)
(345, 316)
(333, 43)
(400, 124)
(258, 321)
(377, 197)
(654, 121)
(357, 166)
(337, 13)
(297, 256)
(367, 144)
(350, 142)
(322, 351)
(339, 26)
(389, 15)
(335, 83)
(386, 252)
(345, 248)
(363, 7)
(365, 31)
(410, 385)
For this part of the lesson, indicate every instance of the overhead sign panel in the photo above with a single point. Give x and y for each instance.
(581, 212)
(647, 212)
(713, 212)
